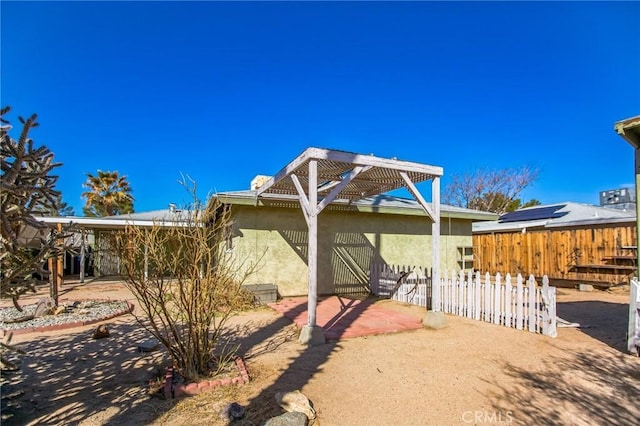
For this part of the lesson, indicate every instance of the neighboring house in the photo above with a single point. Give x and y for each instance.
(32, 238)
(568, 242)
(101, 256)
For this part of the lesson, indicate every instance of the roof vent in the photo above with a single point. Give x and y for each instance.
(172, 207)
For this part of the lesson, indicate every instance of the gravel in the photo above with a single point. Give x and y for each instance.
(79, 311)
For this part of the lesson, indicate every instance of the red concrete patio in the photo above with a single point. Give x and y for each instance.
(343, 318)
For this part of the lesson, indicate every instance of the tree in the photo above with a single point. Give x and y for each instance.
(187, 284)
(65, 210)
(107, 194)
(491, 190)
(500, 203)
(60, 209)
(27, 187)
(531, 203)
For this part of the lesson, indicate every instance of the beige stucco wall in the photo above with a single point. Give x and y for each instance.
(275, 239)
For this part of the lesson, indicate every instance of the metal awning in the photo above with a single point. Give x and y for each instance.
(320, 176)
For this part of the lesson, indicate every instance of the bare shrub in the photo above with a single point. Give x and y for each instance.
(187, 284)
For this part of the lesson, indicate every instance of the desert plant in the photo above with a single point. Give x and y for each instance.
(187, 284)
(27, 189)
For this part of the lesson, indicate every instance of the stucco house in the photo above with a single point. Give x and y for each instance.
(271, 232)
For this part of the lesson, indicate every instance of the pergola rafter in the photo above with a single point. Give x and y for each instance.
(320, 176)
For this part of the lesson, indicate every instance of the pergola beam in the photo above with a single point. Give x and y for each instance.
(330, 197)
(302, 197)
(418, 196)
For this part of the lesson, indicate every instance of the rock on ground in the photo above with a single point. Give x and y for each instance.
(296, 401)
(295, 418)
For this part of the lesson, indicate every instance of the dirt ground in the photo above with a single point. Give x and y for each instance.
(468, 373)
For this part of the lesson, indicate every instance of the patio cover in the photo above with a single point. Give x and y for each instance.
(320, 176)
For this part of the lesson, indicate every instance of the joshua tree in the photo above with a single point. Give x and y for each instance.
(27, 187)
(107, 194)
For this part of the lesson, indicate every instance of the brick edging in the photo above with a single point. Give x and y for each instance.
(67, 325)
(173, 390)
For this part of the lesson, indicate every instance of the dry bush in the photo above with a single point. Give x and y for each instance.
(187, 284)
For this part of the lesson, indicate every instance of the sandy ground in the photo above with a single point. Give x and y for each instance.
(468, 373)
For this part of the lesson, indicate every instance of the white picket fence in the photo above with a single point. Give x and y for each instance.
(508, 302)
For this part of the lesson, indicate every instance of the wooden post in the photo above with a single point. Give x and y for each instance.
(313, 242)
(53, 278)
(312, 334)
(435, 244)
(61, 257)
(83, 255)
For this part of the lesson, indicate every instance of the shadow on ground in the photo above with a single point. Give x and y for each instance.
(72, 378)
(298, 370)
(587, 388)
(252, 339)
(604, 321)
(68, 378)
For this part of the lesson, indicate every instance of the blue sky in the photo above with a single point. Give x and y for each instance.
(223, 91)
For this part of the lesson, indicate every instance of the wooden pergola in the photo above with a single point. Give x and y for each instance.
(320, 176)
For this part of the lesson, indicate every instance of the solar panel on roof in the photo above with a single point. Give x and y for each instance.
(548, 212)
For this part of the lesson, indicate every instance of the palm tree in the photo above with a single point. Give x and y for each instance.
(107, 194)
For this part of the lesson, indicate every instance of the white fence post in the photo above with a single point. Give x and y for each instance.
(519, 303)
(470, 301)
(487, 298)
(444, 293)
(461, 305)
(633, 334)
(477, 296)
(532, 304)
(549, 312)
(508, 298)
(496, 301)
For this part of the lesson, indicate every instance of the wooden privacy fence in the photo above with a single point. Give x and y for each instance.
(508, 302)
(599, 253)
